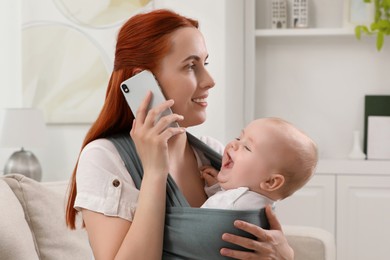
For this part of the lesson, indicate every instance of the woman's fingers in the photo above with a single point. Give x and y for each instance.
(143, 108)
(152, 117)
(272, 220)
(259, 249)
(171, 131)
(256, 231)
(166, 121)
(154, 114)
(146, 129)
(270, 244)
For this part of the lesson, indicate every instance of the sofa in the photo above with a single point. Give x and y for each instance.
(32, 225)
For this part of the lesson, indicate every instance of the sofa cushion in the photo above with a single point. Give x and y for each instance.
(16, 241)
(44, 208)
(310, 243)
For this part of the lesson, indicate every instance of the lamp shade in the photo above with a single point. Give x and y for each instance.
(22, 127)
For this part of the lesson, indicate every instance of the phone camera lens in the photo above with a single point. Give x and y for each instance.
(125, 88)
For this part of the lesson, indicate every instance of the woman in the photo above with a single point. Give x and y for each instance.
(172, 47)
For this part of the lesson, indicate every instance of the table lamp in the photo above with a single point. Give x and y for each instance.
(22, 127)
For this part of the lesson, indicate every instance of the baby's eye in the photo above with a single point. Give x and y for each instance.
(247, 148)
(238, 139)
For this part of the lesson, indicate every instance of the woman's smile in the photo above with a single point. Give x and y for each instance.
(201, 100)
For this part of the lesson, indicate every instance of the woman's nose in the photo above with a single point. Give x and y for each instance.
(206, 80)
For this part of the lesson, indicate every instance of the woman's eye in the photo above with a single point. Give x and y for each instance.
(191, 67)
(238, 139)
(206, 63)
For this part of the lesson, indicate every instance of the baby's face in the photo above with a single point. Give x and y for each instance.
(248, 160)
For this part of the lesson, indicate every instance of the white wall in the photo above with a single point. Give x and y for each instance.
(224, 41)
(10, 65)
(10, 61)
(319, 84)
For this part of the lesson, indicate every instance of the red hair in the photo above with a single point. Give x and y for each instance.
(142, 42)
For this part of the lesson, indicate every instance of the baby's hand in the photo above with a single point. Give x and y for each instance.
(209, 174)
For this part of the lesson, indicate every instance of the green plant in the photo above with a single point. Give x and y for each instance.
(381, 24)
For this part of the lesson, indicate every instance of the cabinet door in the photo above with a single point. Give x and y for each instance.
(313, 205)
(363, 217)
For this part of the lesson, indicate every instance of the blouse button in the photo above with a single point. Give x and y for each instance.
(116, 183)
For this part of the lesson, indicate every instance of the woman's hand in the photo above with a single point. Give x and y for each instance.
(150, 138)
(151, 141)
(270, 244)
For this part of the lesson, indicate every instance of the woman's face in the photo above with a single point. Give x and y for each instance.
(183, 77)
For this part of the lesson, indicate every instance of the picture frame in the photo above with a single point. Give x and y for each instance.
(357, 12)
(374, 105)
(68, 53)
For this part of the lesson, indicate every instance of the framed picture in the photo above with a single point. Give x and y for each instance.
(376, 125)
(378, 138)
(67, 54)
(357, 12)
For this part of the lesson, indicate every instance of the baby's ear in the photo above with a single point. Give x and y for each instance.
(274, 182)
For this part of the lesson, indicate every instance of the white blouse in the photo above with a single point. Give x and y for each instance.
(103, 183)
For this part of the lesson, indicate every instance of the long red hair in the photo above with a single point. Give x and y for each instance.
(142, 42)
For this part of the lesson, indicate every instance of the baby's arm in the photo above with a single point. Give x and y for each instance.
(209, 174)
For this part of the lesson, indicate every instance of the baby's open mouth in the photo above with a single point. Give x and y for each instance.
(228, 161)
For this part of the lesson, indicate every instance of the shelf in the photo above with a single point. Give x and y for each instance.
(304, 32)
(353, 167)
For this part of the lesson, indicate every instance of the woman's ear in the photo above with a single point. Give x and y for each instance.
(274, 182)
(136, 71)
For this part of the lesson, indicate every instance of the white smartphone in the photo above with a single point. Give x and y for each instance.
(135, 89)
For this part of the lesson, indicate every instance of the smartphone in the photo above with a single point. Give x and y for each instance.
(135, 89)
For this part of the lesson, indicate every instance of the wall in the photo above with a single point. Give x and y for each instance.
(10, 19)
(319, 83)
(222, 25)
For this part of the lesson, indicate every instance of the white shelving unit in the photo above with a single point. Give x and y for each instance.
(345, 196)
(304, 32)
(255, 30)
(354, 167)
(279, 59)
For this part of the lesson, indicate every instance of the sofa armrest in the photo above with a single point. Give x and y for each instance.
(310, 243)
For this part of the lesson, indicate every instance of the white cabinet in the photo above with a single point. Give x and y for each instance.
(314, 205)
(353, 203)
(363, 217)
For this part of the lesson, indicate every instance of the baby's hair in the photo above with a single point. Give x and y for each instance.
(300, 167)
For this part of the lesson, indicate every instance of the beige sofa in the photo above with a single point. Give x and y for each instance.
(32, 226)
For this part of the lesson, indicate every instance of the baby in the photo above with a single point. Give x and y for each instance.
(268, 162)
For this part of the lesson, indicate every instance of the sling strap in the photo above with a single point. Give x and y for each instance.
(191, 233)
(126, 148)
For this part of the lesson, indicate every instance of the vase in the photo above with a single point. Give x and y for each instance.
(356, 152)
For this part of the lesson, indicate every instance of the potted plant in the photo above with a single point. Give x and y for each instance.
(381, 24)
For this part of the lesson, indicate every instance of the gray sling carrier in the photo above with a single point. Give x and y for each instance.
(190, 233)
